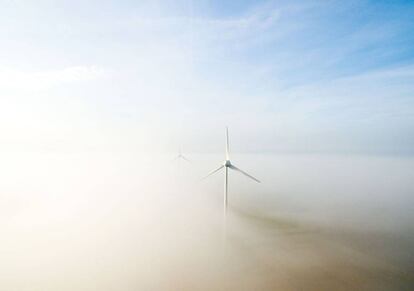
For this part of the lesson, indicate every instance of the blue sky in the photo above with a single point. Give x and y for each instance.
(295, 76)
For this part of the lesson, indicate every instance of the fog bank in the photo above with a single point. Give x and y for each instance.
(126, 222)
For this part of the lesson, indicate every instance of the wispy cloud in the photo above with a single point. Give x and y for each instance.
(40, 80)
(320, 71)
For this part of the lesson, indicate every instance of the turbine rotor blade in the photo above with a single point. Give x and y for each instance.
(185, 159)
(227, 143)
(212, 172)
(244, 173)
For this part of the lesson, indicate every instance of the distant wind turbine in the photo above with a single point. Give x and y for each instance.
(228, 165)
(180, 156)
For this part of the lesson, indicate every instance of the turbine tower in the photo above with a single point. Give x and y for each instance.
(228, 165)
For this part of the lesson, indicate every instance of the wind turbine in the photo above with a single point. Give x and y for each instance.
(181, 156)
(228, 165)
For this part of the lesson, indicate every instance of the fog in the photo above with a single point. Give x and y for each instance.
(117, 221)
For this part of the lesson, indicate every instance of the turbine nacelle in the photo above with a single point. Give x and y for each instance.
(227, 163)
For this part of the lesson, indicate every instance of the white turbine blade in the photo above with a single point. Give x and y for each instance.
(185, 159)
(244, 173)
(227, 143)
(212, 172)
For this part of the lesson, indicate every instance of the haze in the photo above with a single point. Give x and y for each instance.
(97, 98)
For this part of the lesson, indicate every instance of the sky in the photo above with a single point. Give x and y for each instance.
(285, 76)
